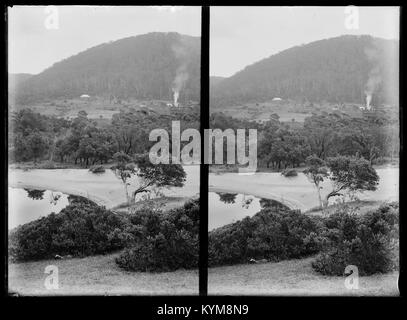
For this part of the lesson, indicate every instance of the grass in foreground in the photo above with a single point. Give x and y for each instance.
(293, 277)
(98, 275)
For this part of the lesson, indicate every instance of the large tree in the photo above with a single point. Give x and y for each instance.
(149, 175)
(347, 174)
(316, 172)
(351, 174)
(37, 144)
(156, 175)
(322, 132)
(124, 169)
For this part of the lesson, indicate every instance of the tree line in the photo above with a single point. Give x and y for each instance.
(373, 136)
(83, 141)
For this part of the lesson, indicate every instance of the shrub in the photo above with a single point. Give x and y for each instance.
(289, 173)
(162, 241)
(80, 229)
(367, 242)
(97, 169)
(273, 204)
(270, 234)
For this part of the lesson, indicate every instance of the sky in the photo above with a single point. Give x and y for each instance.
(241, 36)
(38, 38)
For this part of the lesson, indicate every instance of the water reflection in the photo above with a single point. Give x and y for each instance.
(225, 208)
(26, 205)
(227, 197)
(39, 195)
(54, 198)
(230, 198)
(35, 194)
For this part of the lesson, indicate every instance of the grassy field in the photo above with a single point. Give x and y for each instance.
(98, 275)
(287, 110)
(99, 109)
(292, 277)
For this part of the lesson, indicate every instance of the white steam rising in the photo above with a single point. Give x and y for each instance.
(181, 78)
(182, 53)
(375, 78)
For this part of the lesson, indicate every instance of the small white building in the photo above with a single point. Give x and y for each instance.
(85, 96)
(277, 99)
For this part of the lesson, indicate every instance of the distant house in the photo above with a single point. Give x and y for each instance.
(85, 96)
(277, 99)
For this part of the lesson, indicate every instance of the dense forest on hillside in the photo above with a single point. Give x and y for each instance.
(141, 67)
(215, 80)
(16, 79)
(342, 69)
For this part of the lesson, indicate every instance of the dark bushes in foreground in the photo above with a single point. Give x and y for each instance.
(162, 241)
(80, 229)
(270, 234)
(366, 241)
(153, 240)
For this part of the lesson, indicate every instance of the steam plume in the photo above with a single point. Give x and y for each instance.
(182, 53)
(375, 78)
(179, 82)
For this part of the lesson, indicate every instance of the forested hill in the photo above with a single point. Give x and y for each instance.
(146, 66)
(16, 79)
(339, 69)
(215, 80)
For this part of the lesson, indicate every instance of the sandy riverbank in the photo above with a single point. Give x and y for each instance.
(298, 192)
(105, 189)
